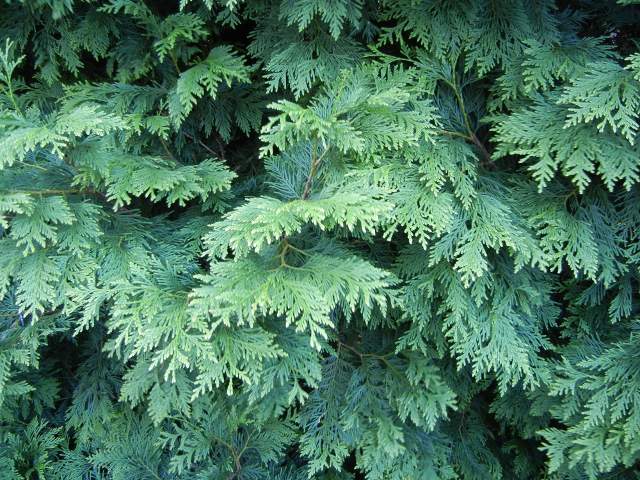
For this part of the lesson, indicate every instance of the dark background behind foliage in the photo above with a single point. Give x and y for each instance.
(416, 388)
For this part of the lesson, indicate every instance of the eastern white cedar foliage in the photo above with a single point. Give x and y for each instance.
(330, 239)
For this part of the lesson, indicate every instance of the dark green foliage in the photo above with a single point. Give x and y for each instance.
(330, 239)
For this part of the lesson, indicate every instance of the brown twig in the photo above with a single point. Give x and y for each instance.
(220, 154)
(471, 134)
(315, 162)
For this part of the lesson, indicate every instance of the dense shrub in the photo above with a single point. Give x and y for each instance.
(331, 239)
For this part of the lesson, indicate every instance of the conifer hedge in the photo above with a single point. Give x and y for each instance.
(319, 239)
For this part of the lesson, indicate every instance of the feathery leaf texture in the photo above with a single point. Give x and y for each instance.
(320, 239)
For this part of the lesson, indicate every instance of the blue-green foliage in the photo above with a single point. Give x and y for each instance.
(329, 239)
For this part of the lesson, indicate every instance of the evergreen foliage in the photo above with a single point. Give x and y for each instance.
(329, 239)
